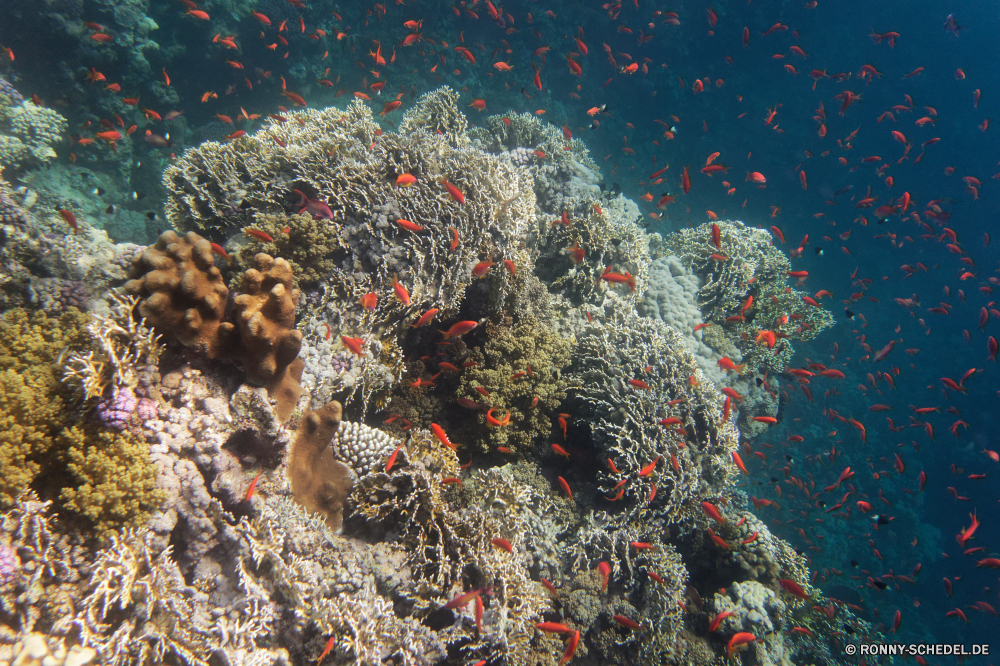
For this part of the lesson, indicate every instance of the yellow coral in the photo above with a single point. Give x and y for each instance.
(519, 363)
(115, 480)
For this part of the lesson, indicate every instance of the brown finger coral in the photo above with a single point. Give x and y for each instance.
(183, 296)
(319, 482)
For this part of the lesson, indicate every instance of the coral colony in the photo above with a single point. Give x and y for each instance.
(423, 396)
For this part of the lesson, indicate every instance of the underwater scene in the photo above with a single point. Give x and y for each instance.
(479, 333)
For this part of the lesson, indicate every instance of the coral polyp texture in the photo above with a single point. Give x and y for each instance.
(28, 132)
(181, 295)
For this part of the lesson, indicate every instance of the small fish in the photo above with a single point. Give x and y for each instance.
(425, 318)
(401, 293)
(356, 345)
(69, 218)
(259, 235)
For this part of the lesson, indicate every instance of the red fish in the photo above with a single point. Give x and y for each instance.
(458, 329)
(401, 293)
(425, 318)
(455, 193)
(713, 512)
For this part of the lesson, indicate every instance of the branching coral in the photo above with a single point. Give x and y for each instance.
(347, 174)
(121, 347)
(521, 368)
(627, 375)
(572, 254)
(746, 265)
(311, 245)
(114, 479)
(322, 579)
(566, 178)
(138, 609)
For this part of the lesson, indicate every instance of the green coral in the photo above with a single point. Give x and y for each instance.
(313, 247)
(537, 352)
(32, 399)
(105, 477)
(115, 479)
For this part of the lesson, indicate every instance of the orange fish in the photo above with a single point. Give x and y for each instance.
(354, 344)
(405, 180)
(401, 293)
(390, 107)
(455, 193)
(409, 226)
(483, 267)
(458, 329)
(442, 437)
(425, 318)
(369, 301)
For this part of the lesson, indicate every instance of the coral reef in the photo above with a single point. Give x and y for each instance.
(347, 174)
(33, 402)
(312, 246)
(182, 295)
(520, 365)
(624, 416)
(572, 253)
(121, 354)
(565, 176)
(166, 617)
(671, 297)
(27, 132)
(319, 482)
(744, 291)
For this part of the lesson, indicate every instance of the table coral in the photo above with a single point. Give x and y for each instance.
(624, 418)
(747, 264)
(610, 240)
(519, 364)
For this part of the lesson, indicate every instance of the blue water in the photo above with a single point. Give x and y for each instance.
(53, 52)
